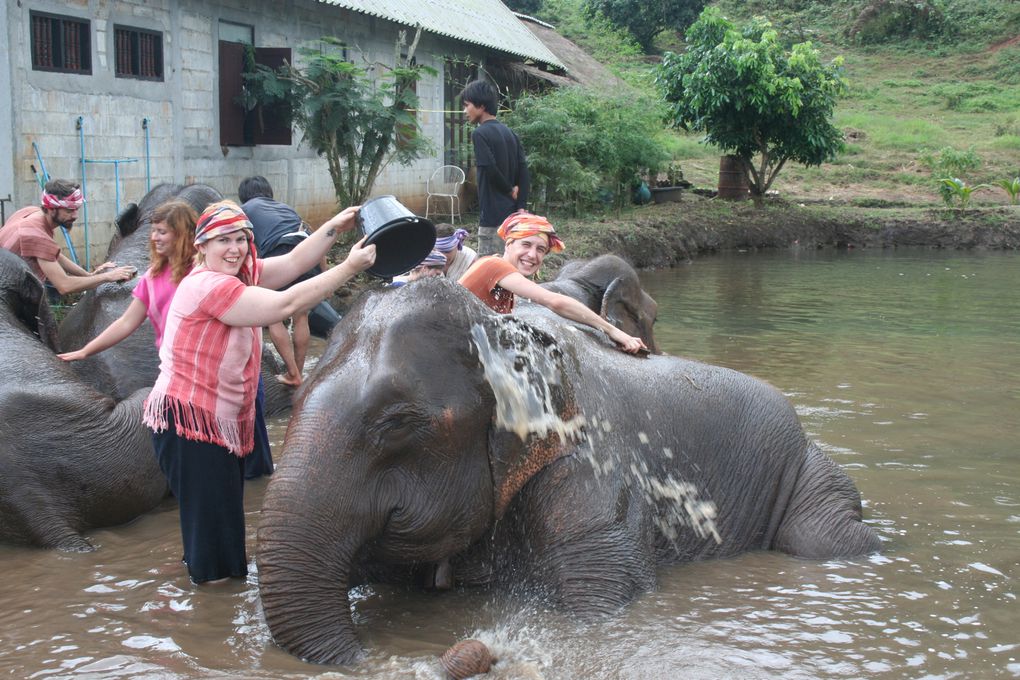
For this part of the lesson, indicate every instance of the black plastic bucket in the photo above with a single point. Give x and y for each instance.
(401, 238)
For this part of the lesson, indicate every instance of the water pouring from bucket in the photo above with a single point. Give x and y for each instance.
(401, 238)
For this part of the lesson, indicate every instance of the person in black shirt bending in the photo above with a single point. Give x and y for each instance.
(503, 180)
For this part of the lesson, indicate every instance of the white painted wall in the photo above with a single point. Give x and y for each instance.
(6, 126)
(183, 109)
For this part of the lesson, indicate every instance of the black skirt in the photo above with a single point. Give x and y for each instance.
(208, 482)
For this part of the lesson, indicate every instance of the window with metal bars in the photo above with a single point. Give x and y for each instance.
(138, 53)
(61, 43)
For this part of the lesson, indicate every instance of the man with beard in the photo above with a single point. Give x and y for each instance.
(29, 233)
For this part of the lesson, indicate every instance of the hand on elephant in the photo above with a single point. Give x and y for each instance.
(118, 273)
(103, 267)
(76, 355)
(627, 343)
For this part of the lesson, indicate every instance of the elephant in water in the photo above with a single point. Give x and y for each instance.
(134, 362)
(525, 451)
(71, 459)
(609, 286)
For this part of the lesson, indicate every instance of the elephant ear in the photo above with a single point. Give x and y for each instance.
(536, 419)
(33, 309)
(627, 306)
(127, 221)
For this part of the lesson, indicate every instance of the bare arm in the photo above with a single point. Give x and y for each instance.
(260, 306)
(569, 308)
(71, 283)
(125, 325)
(279, 271)
(69, 266)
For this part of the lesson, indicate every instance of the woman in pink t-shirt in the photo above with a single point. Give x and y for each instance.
(172, 254)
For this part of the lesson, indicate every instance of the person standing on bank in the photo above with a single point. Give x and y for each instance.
(201, 409)
(497, 281)
(502, 169)
(278, 230)
(29, 233)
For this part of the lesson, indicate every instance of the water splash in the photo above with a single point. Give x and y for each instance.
(522, 374)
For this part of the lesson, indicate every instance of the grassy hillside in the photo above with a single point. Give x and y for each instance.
(949, 89)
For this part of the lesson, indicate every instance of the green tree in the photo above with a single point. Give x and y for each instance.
(753, 98)
(358, 123)
(644, 19)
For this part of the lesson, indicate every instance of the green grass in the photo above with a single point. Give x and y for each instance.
(908, 98)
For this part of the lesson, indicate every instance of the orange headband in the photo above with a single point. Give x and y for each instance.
(523, 224)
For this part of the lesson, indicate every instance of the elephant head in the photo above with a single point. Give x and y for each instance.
(609, 286)
(410, 419)
(24, 298)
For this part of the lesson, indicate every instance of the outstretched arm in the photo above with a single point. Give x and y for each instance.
(279, 271)
(125, 325)
(72, 283)
(258, 306)
(569, 308)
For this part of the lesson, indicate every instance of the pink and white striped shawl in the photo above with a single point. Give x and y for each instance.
(208, 371)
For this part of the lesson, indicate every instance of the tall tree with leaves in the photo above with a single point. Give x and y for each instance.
(645, 19)
(752, 97)
(358, 123)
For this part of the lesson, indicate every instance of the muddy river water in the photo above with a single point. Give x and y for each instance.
(904, 365)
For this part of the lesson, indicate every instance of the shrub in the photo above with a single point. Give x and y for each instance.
(883, 21)
(583, 147)
(949, 164)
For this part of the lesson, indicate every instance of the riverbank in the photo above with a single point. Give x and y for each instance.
(669, 234)
(665, 235)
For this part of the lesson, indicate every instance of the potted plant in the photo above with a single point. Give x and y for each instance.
(669, 189)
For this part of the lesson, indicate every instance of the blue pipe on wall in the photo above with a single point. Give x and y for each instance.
(148, 174)
(80, 124)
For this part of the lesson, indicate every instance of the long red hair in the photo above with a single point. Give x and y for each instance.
(179, 218)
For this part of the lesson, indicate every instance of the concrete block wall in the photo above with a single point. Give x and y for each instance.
(183, 109)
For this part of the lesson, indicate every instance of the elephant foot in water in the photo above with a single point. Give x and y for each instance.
(467, 658)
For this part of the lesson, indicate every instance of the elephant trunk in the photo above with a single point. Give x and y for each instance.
(305, 556)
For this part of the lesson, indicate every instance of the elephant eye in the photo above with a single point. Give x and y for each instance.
(396, 428)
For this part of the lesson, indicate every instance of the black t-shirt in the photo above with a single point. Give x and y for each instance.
(270, 220)
(501, 166)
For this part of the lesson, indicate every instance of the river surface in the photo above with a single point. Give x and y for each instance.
(903, 365)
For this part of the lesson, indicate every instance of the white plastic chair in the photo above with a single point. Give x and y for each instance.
(445, 184)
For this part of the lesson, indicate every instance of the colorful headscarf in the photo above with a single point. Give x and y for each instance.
(225, 217)
(523, 224)
(433, 259)
(454, 240)
(72, 201)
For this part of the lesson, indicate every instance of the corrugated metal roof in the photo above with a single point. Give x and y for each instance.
(489, 23)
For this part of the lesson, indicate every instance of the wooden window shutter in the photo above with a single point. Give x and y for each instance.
(231, 114)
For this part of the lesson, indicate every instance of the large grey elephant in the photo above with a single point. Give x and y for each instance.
(610, 287)
(71, 459)
(134, 362)
(525, 451)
